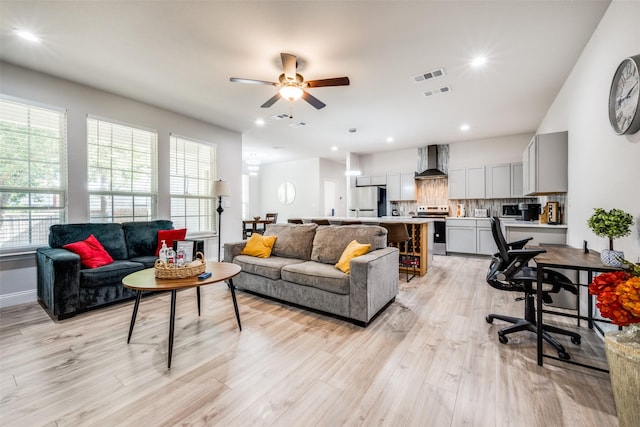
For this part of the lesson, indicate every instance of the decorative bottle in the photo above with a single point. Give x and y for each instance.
(180, 255)
(171, 257)
(163, 251)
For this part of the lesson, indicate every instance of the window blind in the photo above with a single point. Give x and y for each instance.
(122, 173)
(33, 173)
(192, 171)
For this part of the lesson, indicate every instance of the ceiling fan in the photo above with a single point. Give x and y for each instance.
(292, 85)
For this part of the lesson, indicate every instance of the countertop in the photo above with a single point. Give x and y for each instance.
(514, 222)
(372, 220)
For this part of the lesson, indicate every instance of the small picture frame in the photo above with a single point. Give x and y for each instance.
(188, 246)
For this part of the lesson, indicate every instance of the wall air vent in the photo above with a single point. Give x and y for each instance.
(280, 116)
(443, 89)
(297, 125)
(429, 75)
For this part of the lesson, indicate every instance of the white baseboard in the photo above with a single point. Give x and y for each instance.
(16, 298)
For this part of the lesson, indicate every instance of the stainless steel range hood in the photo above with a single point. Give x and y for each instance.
(428, 165)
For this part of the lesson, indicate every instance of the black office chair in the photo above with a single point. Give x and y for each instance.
(508, 271)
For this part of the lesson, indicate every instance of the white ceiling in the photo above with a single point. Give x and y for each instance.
(179, 55)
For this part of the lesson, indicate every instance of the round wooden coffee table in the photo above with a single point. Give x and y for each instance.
(145, 280)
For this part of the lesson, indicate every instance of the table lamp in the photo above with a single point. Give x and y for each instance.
(220, 189)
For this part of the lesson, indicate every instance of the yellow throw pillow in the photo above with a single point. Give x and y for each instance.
(259, 246)
(352, 250)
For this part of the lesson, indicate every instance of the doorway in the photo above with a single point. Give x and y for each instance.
(330, 202)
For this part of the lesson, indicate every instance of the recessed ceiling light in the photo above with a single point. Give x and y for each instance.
(27, 35)
(465, 127)
(253, 168)
(478, 61)
(259, 122)
(390, 139)
(334, 148)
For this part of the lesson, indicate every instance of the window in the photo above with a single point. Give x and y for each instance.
(33, 173)
(192, 171)
(122, 172)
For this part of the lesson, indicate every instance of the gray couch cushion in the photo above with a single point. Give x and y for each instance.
(265, 267)
(317, 275)
(330, 242)
(292, 240)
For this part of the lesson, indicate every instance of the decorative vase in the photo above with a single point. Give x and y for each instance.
(623, 355)
(611, 258)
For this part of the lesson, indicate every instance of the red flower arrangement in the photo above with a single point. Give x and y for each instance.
(618, 296)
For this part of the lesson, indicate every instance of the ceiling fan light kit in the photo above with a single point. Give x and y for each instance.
(292, 85)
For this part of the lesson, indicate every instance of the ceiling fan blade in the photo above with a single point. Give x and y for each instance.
(313, 100)
(289, 66)
(336, 81)
(251, 81)
(271, 101)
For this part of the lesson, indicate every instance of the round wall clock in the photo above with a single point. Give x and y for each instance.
(624, 98)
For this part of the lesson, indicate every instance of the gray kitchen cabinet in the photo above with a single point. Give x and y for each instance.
(457, 184)
(467, 183)
(475, 183)
(516, 179)
(461, 236)
(363, 181)
(394, 187)
(549, 234)
(408, 186)
(378, 180)
(545, 162)
(498, 181)
(485, 243)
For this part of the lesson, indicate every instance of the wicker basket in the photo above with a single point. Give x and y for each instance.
(171, 271)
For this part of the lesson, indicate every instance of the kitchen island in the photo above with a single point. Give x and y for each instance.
(418, 252)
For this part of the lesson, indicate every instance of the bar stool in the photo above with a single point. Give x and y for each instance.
(397, 233)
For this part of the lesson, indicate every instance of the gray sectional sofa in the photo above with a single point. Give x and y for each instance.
(301, 269)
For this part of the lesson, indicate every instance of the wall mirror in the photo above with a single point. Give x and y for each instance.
(286, 193)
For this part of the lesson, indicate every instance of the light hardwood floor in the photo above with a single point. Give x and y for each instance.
(429, 360)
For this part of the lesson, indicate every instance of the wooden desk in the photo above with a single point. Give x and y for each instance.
(253, 223)
(145, 280)
(571, 259)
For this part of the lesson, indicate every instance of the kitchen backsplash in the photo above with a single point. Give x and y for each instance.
(436, 192)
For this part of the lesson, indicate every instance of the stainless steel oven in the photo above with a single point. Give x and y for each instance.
(437, 227)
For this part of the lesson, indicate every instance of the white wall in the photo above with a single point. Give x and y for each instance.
(504, 149)
(604, 169)
(304, 175)
(80, 101)
(334, 171)
(400, 161)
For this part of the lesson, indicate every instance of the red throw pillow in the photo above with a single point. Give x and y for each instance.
(169, 236)
(92, 253)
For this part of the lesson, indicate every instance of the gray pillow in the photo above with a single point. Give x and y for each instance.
(292, 240)
(330, 242)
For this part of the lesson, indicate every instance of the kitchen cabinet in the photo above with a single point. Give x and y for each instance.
(485, 243)
(503, 181)
(470, 236)
(467, 183)
(545, 162)
(541, 234)
(401, 187)
(461, 236)
(516, 179)
(365, 181)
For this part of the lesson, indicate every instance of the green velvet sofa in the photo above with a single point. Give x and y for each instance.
(66, 288)
(301, 270)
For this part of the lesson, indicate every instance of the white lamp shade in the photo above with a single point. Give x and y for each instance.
(220, 188)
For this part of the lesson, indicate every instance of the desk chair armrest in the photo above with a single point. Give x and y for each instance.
(519, 244)
(529, 253)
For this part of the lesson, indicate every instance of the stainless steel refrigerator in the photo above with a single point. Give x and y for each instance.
(367, 202)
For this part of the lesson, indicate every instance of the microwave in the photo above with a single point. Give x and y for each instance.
(511, 211)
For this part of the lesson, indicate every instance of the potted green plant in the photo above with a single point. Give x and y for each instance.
(611, 224)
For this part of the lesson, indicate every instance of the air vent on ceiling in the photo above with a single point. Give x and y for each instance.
(297, 125)
(429, 75)
(443, 89)
(280, 116)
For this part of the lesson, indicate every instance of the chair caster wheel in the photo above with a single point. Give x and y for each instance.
(489, 319)
(503, 339)
(564, 355)
(576, 340)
